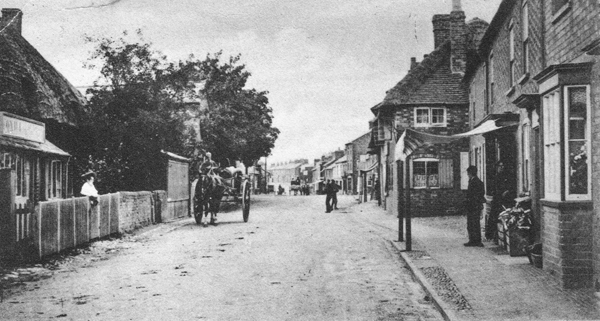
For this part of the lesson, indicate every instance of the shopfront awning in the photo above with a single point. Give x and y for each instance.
(412, 139)
(45, 147)
(372, 167)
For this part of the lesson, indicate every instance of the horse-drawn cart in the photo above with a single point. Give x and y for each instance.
(218, 185)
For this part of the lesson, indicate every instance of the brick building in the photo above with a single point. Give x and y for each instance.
(537, 71)
(431, 98)
(353, 151)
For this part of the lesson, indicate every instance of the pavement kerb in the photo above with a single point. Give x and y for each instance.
(444, 309)
(162, 227)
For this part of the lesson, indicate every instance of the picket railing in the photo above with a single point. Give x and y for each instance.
(23, 222)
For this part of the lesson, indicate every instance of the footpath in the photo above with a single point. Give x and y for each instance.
(474, 283)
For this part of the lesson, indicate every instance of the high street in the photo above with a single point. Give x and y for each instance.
(291, 261)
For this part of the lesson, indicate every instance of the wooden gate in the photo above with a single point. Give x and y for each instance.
(16, 222)
(178, 187)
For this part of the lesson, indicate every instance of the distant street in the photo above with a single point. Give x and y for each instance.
(291, 261)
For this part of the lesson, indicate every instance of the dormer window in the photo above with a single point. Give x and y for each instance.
(430, 117)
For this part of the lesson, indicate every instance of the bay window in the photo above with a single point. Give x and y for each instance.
(574, 153)
(577, 138)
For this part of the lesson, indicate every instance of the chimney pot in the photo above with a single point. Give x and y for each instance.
(11, 19)
(456, 5)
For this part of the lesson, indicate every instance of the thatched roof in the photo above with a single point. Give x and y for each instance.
(29, 85)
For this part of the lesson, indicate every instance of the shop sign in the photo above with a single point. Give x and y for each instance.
(21, 127)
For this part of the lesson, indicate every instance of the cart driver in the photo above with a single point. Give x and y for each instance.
(207, 164)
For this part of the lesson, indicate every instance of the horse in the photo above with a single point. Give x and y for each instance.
(207, 197)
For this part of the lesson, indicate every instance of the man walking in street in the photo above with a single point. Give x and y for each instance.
(473, 207)
(329, 196)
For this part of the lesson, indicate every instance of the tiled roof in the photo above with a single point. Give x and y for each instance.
(431, 82)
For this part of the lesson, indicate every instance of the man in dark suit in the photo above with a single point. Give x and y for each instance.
(335, 188)
(329, 197)
(473, 207)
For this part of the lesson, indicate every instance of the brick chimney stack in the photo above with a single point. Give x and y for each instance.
(441, 29)
(458, 39)
(11, 20)
(452, 27)
(413, 63)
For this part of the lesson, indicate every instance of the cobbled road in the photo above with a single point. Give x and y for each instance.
(291, 261)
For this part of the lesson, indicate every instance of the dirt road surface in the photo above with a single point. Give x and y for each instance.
(291, 261)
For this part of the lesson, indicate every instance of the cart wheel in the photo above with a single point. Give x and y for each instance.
(246, 200)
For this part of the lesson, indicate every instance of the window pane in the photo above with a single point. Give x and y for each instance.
(577, 113)
(525, 56)
(578, 168)
(525, 20)
(419, 174)
(511, 37)
(422, 116)
(437, 115)
(433, 177)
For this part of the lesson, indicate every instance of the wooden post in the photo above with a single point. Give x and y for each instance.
(401, 190)
(407, 213)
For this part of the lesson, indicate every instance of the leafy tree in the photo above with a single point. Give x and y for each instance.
(238, 122)
(137, 110)
(140, 106)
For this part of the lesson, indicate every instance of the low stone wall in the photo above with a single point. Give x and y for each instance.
(135, 210)
(61, 224)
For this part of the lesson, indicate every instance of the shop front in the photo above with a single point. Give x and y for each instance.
(32, 169)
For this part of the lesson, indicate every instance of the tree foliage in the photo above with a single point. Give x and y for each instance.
(140, 106)
(238, 122)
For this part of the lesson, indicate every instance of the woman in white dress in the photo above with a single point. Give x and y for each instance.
(88, 189)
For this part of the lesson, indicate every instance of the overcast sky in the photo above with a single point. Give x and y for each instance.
(325, 63)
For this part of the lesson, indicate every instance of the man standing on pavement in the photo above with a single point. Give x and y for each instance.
(473, 207)
(329, 196)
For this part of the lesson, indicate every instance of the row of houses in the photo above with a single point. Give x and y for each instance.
(522, 90)
(352, 168)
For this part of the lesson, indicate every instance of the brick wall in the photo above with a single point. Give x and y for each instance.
(135, 210)
(567, 35)
(567, 245)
